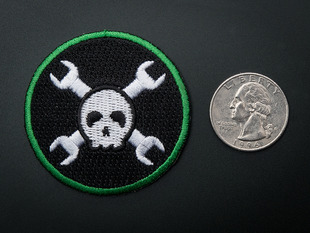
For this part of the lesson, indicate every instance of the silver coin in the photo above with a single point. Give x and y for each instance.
(249, 111)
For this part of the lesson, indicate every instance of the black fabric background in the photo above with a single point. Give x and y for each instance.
(212, 187)
(106, 62)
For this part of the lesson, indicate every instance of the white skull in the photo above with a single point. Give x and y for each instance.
(106, 118)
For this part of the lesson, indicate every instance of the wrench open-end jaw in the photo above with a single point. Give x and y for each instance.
(143, 145)
(70, 144)
(143, 81)
(71, 80)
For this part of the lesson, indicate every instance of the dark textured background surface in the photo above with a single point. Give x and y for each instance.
(212, 188)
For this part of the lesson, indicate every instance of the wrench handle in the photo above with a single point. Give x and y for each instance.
(79, 88)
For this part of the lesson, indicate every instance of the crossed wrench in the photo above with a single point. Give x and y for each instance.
(143, 81)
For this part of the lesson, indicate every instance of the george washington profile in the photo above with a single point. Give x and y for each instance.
(250, 107)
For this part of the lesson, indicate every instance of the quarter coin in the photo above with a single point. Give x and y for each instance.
(249, 111)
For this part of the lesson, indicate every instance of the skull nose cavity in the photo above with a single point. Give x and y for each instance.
(105, 131)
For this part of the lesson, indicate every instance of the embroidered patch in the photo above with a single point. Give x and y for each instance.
(107, 113)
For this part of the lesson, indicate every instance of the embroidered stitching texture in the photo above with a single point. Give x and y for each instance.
(153, 107)
(106, 102)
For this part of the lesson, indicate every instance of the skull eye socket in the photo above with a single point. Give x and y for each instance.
(93, 117)
(119, 117)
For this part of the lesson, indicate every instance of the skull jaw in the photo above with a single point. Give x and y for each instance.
(114, 146)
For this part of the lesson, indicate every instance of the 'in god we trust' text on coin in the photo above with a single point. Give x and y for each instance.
(249, 111)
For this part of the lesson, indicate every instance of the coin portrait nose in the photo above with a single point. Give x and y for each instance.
(232, 104)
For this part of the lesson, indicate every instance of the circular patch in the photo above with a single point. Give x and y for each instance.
(107, 113)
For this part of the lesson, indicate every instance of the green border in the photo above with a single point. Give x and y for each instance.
(143, 182)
